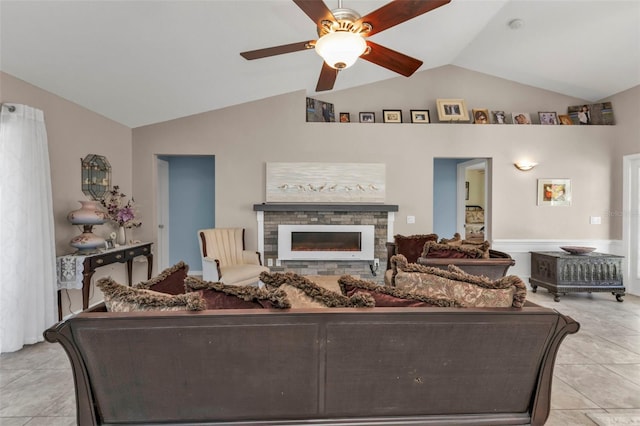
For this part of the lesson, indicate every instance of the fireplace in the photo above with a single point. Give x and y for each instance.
(326, 242)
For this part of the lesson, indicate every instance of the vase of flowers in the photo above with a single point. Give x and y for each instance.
(121, 237)
(121, 212)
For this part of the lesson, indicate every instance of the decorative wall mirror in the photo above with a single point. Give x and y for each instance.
(96, 176)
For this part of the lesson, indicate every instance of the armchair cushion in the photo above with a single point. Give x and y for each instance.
(225, 259)
(243, 274)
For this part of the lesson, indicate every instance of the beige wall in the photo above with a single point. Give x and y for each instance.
(73, 132)
(625, 141)
(243, 138)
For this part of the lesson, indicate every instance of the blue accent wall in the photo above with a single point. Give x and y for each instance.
(191, 206)
(445, 173)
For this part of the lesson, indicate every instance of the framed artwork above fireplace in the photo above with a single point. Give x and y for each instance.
(325, 182)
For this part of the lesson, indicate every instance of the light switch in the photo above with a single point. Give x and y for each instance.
(411, 219)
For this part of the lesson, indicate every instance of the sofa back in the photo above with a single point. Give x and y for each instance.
(246, 365)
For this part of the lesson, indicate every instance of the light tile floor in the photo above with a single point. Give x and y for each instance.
(597, 373)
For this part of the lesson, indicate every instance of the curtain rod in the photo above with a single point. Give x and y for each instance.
(11, 108)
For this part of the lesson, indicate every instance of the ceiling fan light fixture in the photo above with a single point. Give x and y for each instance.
(341, 49)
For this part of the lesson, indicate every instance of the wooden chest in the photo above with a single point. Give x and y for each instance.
(562, 273)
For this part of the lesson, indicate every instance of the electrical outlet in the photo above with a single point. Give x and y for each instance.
(269, 262)
(376, 262)
(595, 220)
(278, 262)
(411, 219)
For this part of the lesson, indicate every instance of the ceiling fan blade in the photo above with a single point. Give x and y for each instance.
(278, 50)
(327, 78)
(391, 60)
(397, 12)
(316, 10)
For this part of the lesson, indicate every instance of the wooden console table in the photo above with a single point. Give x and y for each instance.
(91, 262)
(562, 273)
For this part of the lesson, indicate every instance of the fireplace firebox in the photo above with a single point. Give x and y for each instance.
(326, 242)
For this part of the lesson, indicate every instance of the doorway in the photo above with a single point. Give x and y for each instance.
(186, 203)
(473, 202)
(452, 194)
(631, 221)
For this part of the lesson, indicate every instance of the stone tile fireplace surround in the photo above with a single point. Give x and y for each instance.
(270, 215)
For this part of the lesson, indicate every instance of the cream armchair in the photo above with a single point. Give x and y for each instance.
(224, 258)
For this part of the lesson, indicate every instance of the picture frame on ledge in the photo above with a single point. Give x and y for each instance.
(392, 116)
(548, 118)
(565, 119)
(420, 116)
(319, 111)
(554, 192)
(521, 118)
(500, 117)
(345, 117)
(367, 117)
(480, 116)
(452, 110)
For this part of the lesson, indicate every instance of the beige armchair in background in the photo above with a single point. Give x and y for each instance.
(224, 258)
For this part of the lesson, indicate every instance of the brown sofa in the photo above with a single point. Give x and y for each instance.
(493, 266)
(329, 366)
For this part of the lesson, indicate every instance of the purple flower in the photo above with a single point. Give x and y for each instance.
(119, 210)
(124, 215)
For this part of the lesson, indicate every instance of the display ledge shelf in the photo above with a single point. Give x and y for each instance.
(319, 207)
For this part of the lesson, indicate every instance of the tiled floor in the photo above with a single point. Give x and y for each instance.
(597, 374)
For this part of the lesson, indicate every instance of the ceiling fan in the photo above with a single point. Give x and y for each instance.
(343, 37)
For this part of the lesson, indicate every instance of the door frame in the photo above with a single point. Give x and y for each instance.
(631, 221)
(461, 194)
(163, 214)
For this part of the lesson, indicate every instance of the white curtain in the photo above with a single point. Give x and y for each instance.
(27, 248)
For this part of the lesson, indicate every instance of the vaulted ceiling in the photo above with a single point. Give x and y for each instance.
(140, 62)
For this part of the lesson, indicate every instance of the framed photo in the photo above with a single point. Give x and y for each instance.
(500, 117)
(480, 116)
(319, 111)
(554, 192)
(601, 113)
(392, 116)
(345, 117)
(420, 116)
(367, 117)
(521, 118)
(548, 117)
(565, 119)
(452, 110)
(466, 189)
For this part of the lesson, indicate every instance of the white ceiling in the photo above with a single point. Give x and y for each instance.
(147, 61)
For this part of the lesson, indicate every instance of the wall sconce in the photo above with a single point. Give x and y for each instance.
(524, 166)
